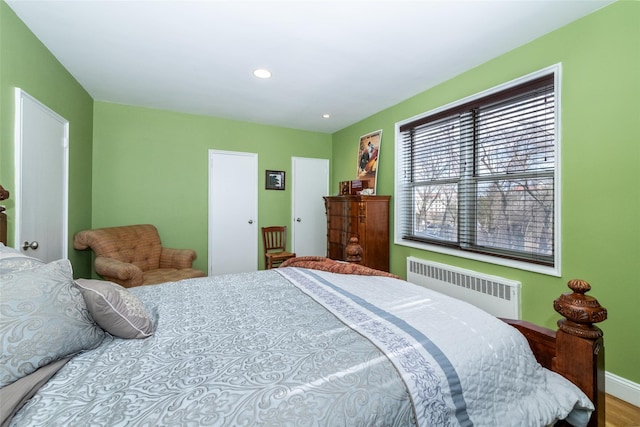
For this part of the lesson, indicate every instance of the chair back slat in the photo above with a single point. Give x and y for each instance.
(275, 238)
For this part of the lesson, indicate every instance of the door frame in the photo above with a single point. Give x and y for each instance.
(20, 97)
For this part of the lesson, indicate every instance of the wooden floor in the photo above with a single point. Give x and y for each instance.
(620, 413)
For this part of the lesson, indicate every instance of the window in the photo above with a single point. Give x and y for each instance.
(478, 177)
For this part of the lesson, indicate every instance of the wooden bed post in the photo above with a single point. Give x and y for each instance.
(579, 352)
(4, 195)
(353, 251)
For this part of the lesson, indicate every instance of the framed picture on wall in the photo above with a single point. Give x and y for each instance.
(368, 157)
(274, 180)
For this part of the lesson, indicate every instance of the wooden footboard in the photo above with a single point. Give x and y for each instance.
(576, 350)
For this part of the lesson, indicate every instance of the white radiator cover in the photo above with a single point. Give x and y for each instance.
(495, 295)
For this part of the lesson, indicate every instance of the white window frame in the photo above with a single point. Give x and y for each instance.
(554, 270)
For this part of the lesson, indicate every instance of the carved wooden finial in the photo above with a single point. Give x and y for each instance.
(580, 311)
(353, 251)
(579, 286)
(4, 195)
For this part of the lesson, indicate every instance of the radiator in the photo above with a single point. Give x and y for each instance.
(495, 295)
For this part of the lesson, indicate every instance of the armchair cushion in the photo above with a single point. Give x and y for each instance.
(162, 275)
(177, 258)
(133, 255)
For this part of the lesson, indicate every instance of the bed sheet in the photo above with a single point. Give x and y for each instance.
(240, 350)
(257, 349)
(448, 350)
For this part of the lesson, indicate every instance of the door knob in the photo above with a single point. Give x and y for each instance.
(250, 221)
(299, 220)
(33, 245)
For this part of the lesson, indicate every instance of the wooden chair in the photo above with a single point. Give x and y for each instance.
(275, 246)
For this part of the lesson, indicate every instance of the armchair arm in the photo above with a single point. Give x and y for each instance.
(125, 274)
(177, 258)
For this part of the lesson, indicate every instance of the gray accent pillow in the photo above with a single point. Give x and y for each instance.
(43, 319)
(115, 309)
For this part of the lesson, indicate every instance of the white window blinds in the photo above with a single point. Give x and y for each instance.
(480, 176)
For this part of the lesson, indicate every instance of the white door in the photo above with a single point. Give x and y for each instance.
(233, 212)
(310, 183)
(42, 156)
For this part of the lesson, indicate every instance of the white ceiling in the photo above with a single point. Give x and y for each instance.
(348, 58)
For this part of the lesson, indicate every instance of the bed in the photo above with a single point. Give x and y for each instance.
(315, 342)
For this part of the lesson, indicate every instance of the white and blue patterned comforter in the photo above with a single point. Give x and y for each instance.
(258, 350)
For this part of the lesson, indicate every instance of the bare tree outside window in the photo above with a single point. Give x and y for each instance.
(481, 178)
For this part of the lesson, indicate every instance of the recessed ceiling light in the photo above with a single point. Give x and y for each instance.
(326, 115)
(261, 73)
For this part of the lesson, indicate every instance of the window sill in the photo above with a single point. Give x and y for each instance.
(520, 265)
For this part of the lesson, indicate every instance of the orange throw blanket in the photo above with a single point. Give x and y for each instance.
(326, 264)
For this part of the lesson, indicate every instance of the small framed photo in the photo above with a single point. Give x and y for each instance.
(274, 180)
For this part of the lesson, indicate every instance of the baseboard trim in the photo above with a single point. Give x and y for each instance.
(622, 388)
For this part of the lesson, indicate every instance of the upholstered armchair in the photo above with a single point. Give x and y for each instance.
(133, 255)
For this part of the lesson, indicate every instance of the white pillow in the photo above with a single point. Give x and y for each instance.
(44, 319)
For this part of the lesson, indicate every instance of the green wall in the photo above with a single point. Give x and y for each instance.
(151, 166)
(600, 56)
(26, 63)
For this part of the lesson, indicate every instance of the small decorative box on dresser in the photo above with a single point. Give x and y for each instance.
(365, 217)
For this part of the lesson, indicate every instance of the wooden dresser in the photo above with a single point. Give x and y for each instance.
(366, 217)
